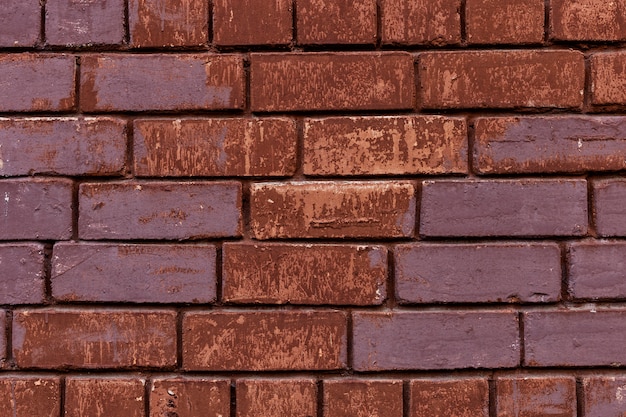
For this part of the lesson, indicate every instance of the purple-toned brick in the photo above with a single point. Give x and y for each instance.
(604, 395)
(22, 273)
(20, 22)
(596, 270)
(536, 396)
(609, 208)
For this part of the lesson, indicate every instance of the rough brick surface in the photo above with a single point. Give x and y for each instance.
(608, 85)
(279, 398)
(608, 198)
(3, 340)
(465, 397)
(104, 396)
(505, 21)
(362, 398)
(22, 273)
(604, 396)
(20, 22)
(32, 395)
(596, 270)
(189, 396)
(588, 20)
(337, 22)
(525, 396)
(252, 22)
(72, 22)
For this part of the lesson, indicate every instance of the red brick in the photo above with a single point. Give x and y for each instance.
(464, 397)
(387, 145)
(609, 209)
(94, 339)
(36, 209)
(72, 22)
(526, 207)
(362, 398)
(331, 81)
(483, 273)
(435, 340)
(411, 22)
(505, 21)
(252, 22)
(502, 79)
(276, 397)
(161, 82)
(104, 396)
(20, 22)
(63, 146)
(304, 274)
(30, 395)
(158, 273)
(588, 20)
(337, 22)
(596, 270)
(604, 396)
(159, 210)
(575, 338)
(21, 274)
(608, 78)
(215, 147)
(189, 396)
(30, 88)
(536, 396)
(155, 23)
(332, 209)
(264, 340)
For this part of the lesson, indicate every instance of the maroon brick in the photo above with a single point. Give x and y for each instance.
(159, 210)
(505, 21)
(94, 339)
(608, 198)
(375, 145)
(462, 397)
(608, 78)
(435, 340)
(587, 20)
(604, 396)
(331, 81)
(72, 22)
(215, 147)
(252, 22)
(475, 273)
(187, 396)
(104, 396)
(21, 273)
(276, 397)
(133, 273)
(536, 396)
(332, 210)
(161, 82)
(525, 207)
(362, 398)
(501, 79)
(30, 395)
(596, 270)
(36, 209)
(337, 22)
(3, 341)
(20, 22)
(264, 340)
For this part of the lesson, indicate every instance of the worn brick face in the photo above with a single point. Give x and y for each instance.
(104, 396)
(588, 20)
(463, 397)
(252, 22)
(608, 198)
(505, 21)
(20, 22)
(22, 273)
(603, 395)
(337, 22)
(294, 397)
(362, 398)
(608, 78)
(188, 396)
(595, 270)
(30, 395)
(528, 396)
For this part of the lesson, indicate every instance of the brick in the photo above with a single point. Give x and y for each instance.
(159, 210)
(104, 396)
(186, 396)
(505, 21)
(534, 396)
(576, 333)
(609, 209)
(385, 145)
(410, 22)
(155, 23)
(525, 207)
(94, 339)
(332, 210)
(478, 273)
(264, 340)
(460, 397)
(62, 146)
(549, 144)
(362, 398)
(435, 340)
(36, 209)
(338, 22)
(71, 22)
(30, 88)
(331, 81)
(133, 273)
(603, 396)
(587, 20)
(30, 395)
(161, 82)
(215, 147)
(608, 78)
(252, 22)
(304, 274)
(294, 397)
(3, 340)
(595, 270)
(501, 79)
(20, 23)
(22, 273)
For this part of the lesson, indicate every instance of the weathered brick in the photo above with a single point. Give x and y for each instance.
(155, 23)
(215, 147)
(161, 82)
(525, 207)
(501, 79)
(387, 145)
(104, 396)
(94, 339)
(411, 22)
(30, 87)
(435, 340)
(304, 274)
(461, 397)
(63, 146)
(587, 20)
(252, 22)
(20, 22)
(3, 341)
(159, 210)
(603, 396)
(264, 340)
(362, 398)
(331, 209)
(596, 270)
(609, 209)
(36, 209)
(575, 338)
(188, 396)
(511, 272)
(133, 273)
(536, 396)
(22, 274)
(608, 78)
(30, 395)
(276, 397)
(505, 21)
(331, 81)
(337, 22)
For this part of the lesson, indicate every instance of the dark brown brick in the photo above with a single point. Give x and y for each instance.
(72, 22)
(596, 270)
(608, 78)
(336, 22)
(104, 396)
(252, 22)
(608, 197)
(215, 147)
(21, 274)
(30, 395)
(331, 81)
(435, 340)
(463, 397)
(587, 20)
(20, 22)
(276, 397)
(189, 396)
(264, 340)
(505, 21)
(536, 396)
(525, 207)
(604, 396)
(362, 398)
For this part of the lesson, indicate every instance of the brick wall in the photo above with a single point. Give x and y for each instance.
(243, 208)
